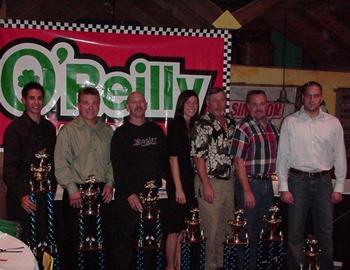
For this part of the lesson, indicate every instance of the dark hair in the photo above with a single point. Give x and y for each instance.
(213, 91)
(255, 92)
(30, 86)
(180, 104)
(308, 84)
(88, 91)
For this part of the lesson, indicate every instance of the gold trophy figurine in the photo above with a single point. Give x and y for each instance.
(150, 200)
(90, 196)
(273, 220)
(311, 253)
(237, 224)
(40, 173)
(193, 233)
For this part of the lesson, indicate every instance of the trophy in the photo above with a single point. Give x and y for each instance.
(311, 254)
(40, 173)
(193, 239)
(234, 243)
(40, 185)
(90, 193)
(272, 221)
(150, 200)
(193, 232)
(149, 230)
(90, 212)
(236, 224)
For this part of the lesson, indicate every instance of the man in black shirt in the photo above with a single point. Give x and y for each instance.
(138, 155)
(24, 137)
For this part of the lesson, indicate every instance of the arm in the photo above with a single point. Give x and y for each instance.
(107, 193)
(208, 191)
(249, 199)
(175, 173)
(282, 164)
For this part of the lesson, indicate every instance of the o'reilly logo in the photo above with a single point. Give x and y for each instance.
(62, 71)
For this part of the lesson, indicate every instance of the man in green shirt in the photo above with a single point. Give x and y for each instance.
(83, 149)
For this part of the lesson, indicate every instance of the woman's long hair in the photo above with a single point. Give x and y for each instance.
(179, 110)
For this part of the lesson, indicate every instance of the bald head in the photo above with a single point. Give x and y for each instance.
(136, 105)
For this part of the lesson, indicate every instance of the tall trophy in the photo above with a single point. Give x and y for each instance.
(273, 239)
(90, 212)
(149, 229)
(236, 241)
(41, 192)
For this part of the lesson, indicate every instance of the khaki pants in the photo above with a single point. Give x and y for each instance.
(214, 218)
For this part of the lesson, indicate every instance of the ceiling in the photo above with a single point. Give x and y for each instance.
(321, 28)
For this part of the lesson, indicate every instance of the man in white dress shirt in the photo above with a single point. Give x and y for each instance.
(311, 144)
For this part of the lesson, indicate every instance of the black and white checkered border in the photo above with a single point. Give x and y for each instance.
(137, 30)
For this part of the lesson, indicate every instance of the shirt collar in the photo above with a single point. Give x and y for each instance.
(29, 121)
(303, 115)
(81, 123)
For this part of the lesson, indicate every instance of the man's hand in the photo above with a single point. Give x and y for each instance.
(107, 194)
(286, 197)
(249, 199)
(336, 197)
(75, 200)
(135, 203)
(27, 204)
(208, 193)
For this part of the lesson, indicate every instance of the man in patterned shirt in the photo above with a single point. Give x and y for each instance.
(210, 142)
(254, 149)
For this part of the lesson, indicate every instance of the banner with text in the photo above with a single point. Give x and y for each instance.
(159, 62)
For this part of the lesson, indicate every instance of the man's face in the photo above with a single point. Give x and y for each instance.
(33, 102)
(217, 104)
(312, 99)
(88, 106)
(257, 107)
(136, 105)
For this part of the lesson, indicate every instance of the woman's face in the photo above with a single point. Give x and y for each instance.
(190, 107)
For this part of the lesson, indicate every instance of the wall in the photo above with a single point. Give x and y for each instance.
(261, 75)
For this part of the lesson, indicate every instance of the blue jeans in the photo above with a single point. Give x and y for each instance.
(310, 194)
(263, 193)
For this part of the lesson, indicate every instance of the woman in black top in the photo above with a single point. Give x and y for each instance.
(181, 188)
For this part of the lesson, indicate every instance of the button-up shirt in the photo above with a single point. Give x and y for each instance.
(212, 142)
(311, 145)
(81, 151)
(256, 145)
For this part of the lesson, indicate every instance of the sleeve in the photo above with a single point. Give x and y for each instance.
(119, 159)
(283, 154)
(200, 140)
(240, 144)
(13, 174)
(65, 173)
(340, 166)
(109, 170)
(164, 158)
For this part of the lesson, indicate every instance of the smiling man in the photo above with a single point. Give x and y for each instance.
(83, 149)
(254, 149)
(311, 144)
(24, 137)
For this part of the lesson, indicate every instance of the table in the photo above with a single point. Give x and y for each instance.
(16, 261)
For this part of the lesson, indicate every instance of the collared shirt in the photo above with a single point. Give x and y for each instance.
(212, 143)
(23, 139)
(82, 151)
(256, 145)
(311, 145)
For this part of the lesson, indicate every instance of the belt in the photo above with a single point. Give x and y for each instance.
(260, 176)
(308, 174)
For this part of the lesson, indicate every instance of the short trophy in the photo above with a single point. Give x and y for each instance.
(90, 214)
(41, 192)
(272, 220)
(311, 254)
(149, 228)
(235, 242)
(193, 242)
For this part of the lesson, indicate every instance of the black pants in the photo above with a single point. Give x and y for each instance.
(71, 240)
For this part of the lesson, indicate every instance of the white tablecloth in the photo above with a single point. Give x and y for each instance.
(16, 261)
